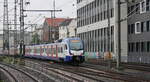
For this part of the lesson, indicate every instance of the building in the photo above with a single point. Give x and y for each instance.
(68, 28)
(39, 31)
(139, 31)
(1, 41)
(51, 29)
(27, 38)
(93, 28)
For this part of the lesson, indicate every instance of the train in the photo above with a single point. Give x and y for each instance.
(68, 50)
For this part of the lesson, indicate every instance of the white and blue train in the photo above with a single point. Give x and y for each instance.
(66, 50)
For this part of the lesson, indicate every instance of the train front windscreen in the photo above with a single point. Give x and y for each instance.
(76, 45)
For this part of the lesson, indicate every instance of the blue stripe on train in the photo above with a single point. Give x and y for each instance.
(68, 58)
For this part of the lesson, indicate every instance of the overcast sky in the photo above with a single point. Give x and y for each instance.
(68, 10)
(68, 7)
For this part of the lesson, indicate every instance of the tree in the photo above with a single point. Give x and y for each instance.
(35, 39)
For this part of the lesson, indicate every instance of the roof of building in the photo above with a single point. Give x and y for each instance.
(55, 22)
(66, 22)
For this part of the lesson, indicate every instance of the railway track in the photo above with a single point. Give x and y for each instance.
(70, 77)
(93, 74)
(49, 72)
(10, 76)
(140, 67)
(17, 74)
(137, 67)
(122, 76)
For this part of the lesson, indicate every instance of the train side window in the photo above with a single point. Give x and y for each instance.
(61, 50)
(49, 50)
(55, 50)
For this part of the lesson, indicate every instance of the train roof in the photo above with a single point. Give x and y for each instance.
(57, 42)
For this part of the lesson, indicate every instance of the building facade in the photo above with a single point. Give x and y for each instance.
(39, 31)
(1, 41)
(27, 38)
(94, 30)
(139, 31)
(68, 28)
(51, 29)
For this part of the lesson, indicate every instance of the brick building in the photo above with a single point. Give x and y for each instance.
(51, 29)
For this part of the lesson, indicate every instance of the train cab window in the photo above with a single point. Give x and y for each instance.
(65, 47)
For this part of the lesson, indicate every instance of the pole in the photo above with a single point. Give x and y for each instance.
(21, 28)
(15, 25)
(108, 34)
(109, 28)
(118, 28)
(54, 7)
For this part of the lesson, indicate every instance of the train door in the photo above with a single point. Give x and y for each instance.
(54, 51)
(60, 50)
(41, 51)
(47, 51)
(65, 48)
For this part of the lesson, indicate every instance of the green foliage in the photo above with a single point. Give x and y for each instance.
(35, 39)
(2, 81)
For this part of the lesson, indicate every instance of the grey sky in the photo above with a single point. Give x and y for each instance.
(68, 10)
(67, 6)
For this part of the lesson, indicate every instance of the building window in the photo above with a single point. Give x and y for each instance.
(137, 7)
(137, 46)
(132, 28)
(148, 26)
(101, 32)
(105, 15)
(129, 10)
(147, 5)
(142, 46)
(148, 46)
(129, 29)
(112, 30)
(142, 25)
(132, 8)
(78, 1)
(112, 12)
(112, 46)
(143, 6)
(132, 47)
(129, 47)
(137, 27)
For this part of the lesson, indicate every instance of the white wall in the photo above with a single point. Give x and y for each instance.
(71, 28)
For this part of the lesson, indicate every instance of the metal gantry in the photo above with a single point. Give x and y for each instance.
(118, 27)
(21, 27)
(15, 25)
(5, 27)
